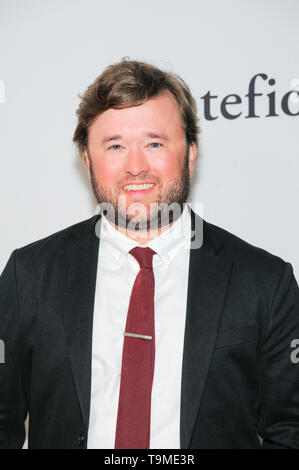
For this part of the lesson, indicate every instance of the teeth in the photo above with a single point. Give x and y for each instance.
(135, 187)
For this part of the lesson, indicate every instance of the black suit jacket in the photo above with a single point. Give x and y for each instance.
(238, 379)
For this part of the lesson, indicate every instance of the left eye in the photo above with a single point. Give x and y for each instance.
(156, 144)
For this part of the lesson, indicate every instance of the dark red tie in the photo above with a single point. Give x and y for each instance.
(138, 360)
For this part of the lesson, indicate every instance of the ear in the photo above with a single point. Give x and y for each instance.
(86, 160)
(193, 154)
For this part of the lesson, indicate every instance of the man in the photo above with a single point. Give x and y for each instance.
(120, 331)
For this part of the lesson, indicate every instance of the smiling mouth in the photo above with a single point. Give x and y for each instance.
(138, 187)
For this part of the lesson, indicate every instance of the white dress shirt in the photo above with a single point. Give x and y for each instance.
(117, 270)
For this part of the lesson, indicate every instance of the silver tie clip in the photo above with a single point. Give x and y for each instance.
(133, 335)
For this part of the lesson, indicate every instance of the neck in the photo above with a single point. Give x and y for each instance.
(144, 236)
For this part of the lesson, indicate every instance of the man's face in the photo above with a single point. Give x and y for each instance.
(140, 145)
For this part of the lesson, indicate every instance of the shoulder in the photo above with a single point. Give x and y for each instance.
(50, 246)
(254, 269)
(244, 255)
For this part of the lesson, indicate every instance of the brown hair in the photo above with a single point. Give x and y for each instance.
(130, 83)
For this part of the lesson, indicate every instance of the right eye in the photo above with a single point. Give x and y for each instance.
(115, 147)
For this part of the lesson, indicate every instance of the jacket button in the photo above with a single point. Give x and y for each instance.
(81, 439)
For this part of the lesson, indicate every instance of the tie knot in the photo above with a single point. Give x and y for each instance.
(144, 256)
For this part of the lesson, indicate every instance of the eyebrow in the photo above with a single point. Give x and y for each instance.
(152, 135)
(109, 139)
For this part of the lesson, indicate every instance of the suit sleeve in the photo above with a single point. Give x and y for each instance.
(279, 368)
(13, 407)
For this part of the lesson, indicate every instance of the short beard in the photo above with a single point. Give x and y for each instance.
(161, 215)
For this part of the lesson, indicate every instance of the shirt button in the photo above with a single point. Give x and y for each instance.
(120, 256)
(167, 258)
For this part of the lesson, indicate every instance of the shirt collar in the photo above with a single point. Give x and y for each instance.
(167, 245)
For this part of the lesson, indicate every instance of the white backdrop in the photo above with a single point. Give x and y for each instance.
(50, 50)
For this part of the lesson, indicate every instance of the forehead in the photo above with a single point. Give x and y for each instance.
(160, 113)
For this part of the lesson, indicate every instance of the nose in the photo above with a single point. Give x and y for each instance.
(135, 162)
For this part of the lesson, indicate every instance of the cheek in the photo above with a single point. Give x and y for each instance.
(168, 168)
(107, 169)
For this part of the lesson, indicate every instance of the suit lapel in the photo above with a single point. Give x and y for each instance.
(78, 281)
(208, 281)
